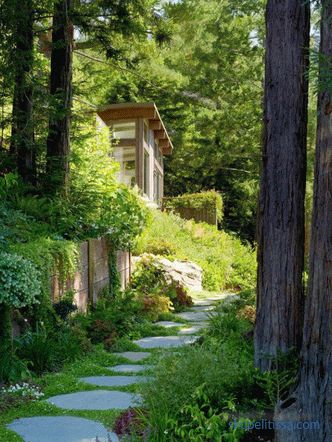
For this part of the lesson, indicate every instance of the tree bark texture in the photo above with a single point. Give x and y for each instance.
(58, 142)
(314, 393)
(22, 140)
(280, 230)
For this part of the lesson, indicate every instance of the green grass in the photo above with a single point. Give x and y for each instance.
(226, 262)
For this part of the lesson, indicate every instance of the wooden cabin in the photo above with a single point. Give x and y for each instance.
(140, 142)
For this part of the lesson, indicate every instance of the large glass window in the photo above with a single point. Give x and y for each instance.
(146, 188)
(123, 130)
(157, 186)
(126, 156)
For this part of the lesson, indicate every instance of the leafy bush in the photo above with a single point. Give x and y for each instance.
(200, 421)
(155, 305)
(158, 292)
(160, 247)
(209, 200)
(110, 319)
(19, 281)
(226, 262)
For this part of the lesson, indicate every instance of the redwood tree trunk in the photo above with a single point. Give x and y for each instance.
(281, 203)
(58, 143)
(22, 142)
(314, 394)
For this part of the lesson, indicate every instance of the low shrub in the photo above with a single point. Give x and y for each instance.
(210, 201)
(111, 318)
(158, 292)
(65, 307)
(160, 247)
(155, 305)
(12, 368)
(130, 422)
(46, 350)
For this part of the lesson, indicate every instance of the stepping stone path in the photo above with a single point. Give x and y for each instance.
(168, 324)
(134, 356)
(196, 316)
(202, 308)
(61, 429)
(75, 429)
(129, 368)
(94, 400)
(192, 329)
(113, 381)
(165, 341)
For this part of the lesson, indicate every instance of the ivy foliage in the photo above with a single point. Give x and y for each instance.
(19, 281)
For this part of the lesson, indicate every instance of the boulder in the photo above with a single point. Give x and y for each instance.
(187, 273)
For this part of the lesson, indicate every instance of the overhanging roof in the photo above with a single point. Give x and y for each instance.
(148, 111)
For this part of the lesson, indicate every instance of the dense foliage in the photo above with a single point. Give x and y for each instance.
(211, 201)
(19, 281)
(226, 262)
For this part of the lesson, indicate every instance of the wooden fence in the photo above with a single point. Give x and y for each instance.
(92, 274)
(205, 215)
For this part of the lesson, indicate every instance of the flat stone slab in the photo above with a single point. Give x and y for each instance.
(192, 329)
(202, 308)
(168, 324)
(204, 302)
(196, 316)
(113, 381)
(95, 400)
(129, 368)
(166, 341)
(61, 429)
(212, 300)
(134, 356)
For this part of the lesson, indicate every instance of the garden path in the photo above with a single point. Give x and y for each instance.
(74, 429)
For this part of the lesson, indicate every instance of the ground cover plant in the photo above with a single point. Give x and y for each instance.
(226, 262)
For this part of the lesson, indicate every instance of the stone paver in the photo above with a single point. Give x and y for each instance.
(168, 324)
(191, 330)
(204, 302)
(165, 341)
(212, 300)
(113, 381)
(202, 308)
(196, 316)
(61, 429)
(134, 356)
(129, 368)
(95, 400)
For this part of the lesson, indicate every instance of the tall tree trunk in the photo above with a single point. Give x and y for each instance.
(281, 203)
(22, 142)
(314, 394)
(58, 143)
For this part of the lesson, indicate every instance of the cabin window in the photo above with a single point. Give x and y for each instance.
(146, 188)
(157, 186)
(126, 156)
(123, 130)
(146, 134)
